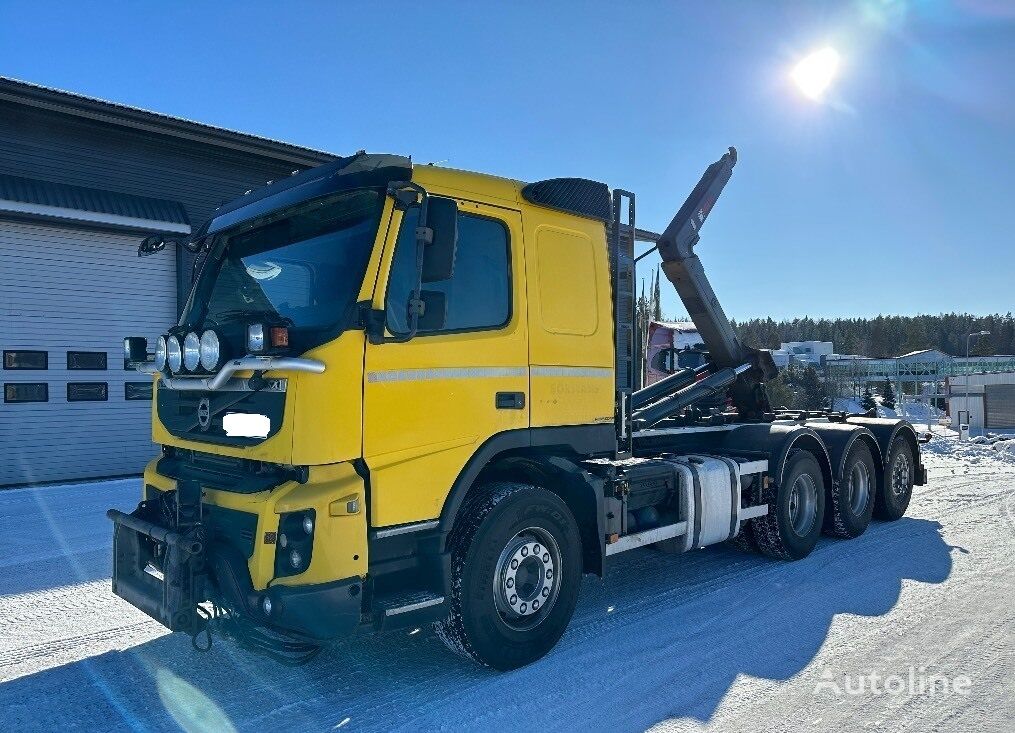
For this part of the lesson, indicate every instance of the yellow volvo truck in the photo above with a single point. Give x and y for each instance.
(400, 394)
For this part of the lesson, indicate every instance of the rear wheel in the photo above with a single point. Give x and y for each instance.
(853, 499)
(516, 570)
(897, 488)
(796, 509)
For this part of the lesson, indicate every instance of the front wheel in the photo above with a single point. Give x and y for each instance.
(516, 570)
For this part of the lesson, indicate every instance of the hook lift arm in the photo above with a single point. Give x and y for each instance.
(683, 268)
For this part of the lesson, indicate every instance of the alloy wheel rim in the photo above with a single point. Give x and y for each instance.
(900, 474)
(526, 579)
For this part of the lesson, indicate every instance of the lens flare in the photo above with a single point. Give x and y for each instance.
(815, 72)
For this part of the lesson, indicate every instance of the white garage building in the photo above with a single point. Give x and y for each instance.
(82, 181)
(984, 401)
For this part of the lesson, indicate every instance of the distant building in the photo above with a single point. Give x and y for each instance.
(982, 401)
(82, 182)
(803, 352)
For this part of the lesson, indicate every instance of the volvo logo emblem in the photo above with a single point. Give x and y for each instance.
(204, 413)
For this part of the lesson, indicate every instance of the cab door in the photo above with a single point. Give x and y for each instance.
(430, 402)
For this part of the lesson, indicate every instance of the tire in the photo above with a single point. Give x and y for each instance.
(511, 536)
(897, 486)
(852, 500)
(791, 529)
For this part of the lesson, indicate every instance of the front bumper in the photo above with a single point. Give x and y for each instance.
(194, 569)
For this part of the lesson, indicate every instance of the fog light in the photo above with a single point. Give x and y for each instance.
(174, 354)
(160, 353)
(210, 350)
(255, 338)
(296, 559)
(266, 606)
(191, 351)
(308, 524)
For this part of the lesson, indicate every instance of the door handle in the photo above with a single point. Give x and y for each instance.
(510, 400)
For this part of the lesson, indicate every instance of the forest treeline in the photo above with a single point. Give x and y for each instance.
(886, 336)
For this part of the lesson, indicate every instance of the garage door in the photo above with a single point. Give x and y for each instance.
(999, 405)
(67, 298)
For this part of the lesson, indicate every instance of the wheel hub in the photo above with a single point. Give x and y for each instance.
(900, 474)
(526, 578)
(803, 503)
(859, 488)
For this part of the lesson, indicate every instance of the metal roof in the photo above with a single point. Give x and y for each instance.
(35, 95)
(30, 196)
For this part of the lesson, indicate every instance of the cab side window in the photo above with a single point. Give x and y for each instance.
(478, 294)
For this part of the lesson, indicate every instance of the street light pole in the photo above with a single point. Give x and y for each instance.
(969, 413)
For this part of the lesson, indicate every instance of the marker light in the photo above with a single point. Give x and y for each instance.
(279, 336)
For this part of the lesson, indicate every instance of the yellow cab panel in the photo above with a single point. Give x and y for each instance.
(430, 402)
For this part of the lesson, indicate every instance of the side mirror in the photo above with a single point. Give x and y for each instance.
(151, 245)
(435, 310)
(439, 253)
(135, 349)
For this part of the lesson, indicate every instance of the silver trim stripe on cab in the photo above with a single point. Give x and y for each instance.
(438, 373)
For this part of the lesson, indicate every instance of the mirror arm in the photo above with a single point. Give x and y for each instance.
(424, 236)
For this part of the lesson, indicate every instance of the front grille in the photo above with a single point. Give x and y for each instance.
(178, 411)
(226, 473)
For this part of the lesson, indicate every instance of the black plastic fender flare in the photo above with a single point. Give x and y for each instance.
(775, 441)
(839, 438)
(885, 430)
(541, 447)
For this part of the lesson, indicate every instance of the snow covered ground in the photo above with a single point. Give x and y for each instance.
(714, 640)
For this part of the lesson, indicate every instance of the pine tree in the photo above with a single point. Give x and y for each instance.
(888, 395)
(813, 395)
(867, 403)
(657, 306)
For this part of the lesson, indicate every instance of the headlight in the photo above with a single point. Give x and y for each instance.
(294, 549)
(160, 353)
(210, 350)
(174, 354)
(191, 351)
(255, 338)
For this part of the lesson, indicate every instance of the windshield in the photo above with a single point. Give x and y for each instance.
(302, 267)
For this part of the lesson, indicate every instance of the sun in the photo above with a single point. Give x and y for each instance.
(815, 72)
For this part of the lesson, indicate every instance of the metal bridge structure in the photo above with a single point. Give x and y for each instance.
(915, 370)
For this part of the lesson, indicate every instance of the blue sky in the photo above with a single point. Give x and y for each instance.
(895, 194)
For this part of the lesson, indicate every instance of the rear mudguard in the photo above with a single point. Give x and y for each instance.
(839, 438)
(885, 430)
(775, 442)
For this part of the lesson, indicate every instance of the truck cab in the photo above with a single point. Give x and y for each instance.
(401, 394)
